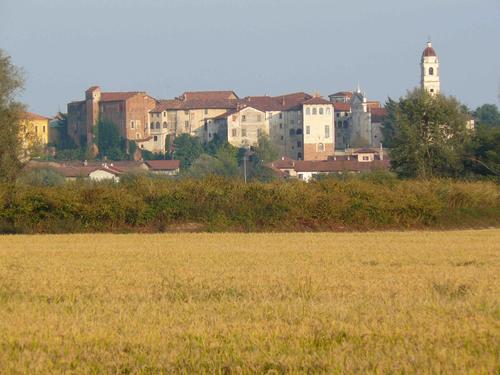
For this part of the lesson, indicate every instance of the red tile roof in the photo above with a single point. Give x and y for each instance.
(118, 96)
(346, 94)
(209, 95)
(341, 107)
(378, 114)
(163, 165)
(317, 100)
(34, 116)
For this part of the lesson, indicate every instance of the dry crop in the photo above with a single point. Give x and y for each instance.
(412, 302)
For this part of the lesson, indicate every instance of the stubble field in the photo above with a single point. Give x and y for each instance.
(410, 302)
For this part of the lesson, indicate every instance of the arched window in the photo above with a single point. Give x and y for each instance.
(321, 111)
(314, 111)
(152, 126)
(308, 111)
(157, 125)
(431, 71)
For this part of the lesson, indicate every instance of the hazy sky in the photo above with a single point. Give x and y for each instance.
(254, 47)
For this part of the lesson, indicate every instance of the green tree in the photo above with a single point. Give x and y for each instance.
(109, 140)
(488, 114)
(264, 153)
(11, 83)
(484, 158)
(187, 149)
(388, 128)
(430, 135)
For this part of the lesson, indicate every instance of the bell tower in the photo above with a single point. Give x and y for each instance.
(430, 70)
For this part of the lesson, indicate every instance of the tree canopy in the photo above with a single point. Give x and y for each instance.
(11, 83)
(428, 135)
(488, 114)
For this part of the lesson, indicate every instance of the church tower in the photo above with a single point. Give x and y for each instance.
(430, 70)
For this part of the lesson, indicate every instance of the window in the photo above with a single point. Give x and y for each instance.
(157, 125)
(281, 116)
(233, 133)
(327, 110)
(308, 129)
(243, 118)
(292, 132)
(299, 144)
(165, 126)
(137, 136)
(243, 132)
(299, 155)
(327, 131)
(206, 111)
(186, 112)
(36, 129)
(281, 137)
(292, 121)
(43, 129)
(338, 114)
(308, 111)
(431, 71)
(299, 132)
(432, 90)
(281, 126)
(186, 124)
(339, 124)
(321, 147)
(315, 112)
(321, 111)
(132, 125)
(259, 117)
(366, 158)
(152, 126)
(155, 138)
(259, 132)
(164, 114)
(301, 176)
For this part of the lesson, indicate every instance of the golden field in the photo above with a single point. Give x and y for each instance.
(383, 302)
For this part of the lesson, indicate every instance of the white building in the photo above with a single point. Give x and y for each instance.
(430, 70)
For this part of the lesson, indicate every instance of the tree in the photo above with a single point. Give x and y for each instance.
(488, 114)
(484, 158)
(187, 149)
(264, 153)
(109, 140)
(11, 83)
(430, 135)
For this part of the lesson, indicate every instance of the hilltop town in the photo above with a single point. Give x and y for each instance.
(312, 134)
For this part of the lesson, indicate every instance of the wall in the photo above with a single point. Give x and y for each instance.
(317, 145)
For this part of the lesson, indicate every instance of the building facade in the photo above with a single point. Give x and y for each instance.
(128, 110)
(34, 130)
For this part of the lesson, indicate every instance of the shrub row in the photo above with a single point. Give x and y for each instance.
(218, 204)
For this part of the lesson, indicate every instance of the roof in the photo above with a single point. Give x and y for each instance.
(208, 95)
(341, 107)
(429, 51)
(340, 165)
(117, 96)
(317, 100)
(34, 116)
(163, 165)
(378, 114)
(345, 94)
(365, 150)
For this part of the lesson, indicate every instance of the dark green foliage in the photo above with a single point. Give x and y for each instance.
(140, 203)
(485, 151)
(11, 82)
(187, 149)
(430, 135)
(109, 141)
(488, 115)
(41, 177)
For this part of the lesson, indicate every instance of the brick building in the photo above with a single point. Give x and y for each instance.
(128, 110)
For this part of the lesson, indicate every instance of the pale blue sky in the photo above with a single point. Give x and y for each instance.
(251, 46)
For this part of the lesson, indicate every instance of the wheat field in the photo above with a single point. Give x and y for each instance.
(383, 302)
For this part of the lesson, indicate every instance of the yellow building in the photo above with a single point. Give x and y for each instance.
(35, 129)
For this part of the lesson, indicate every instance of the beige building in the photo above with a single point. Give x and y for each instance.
(318, 129)
(192, 113)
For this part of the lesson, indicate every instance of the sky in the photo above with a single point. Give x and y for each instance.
(254, 47)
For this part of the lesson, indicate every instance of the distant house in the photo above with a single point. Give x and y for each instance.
(363, 160)
(108, 170)
(166, 167)
(34, 129)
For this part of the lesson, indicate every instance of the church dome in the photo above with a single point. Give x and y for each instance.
(429, 51)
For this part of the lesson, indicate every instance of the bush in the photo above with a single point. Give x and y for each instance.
(142, 203)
